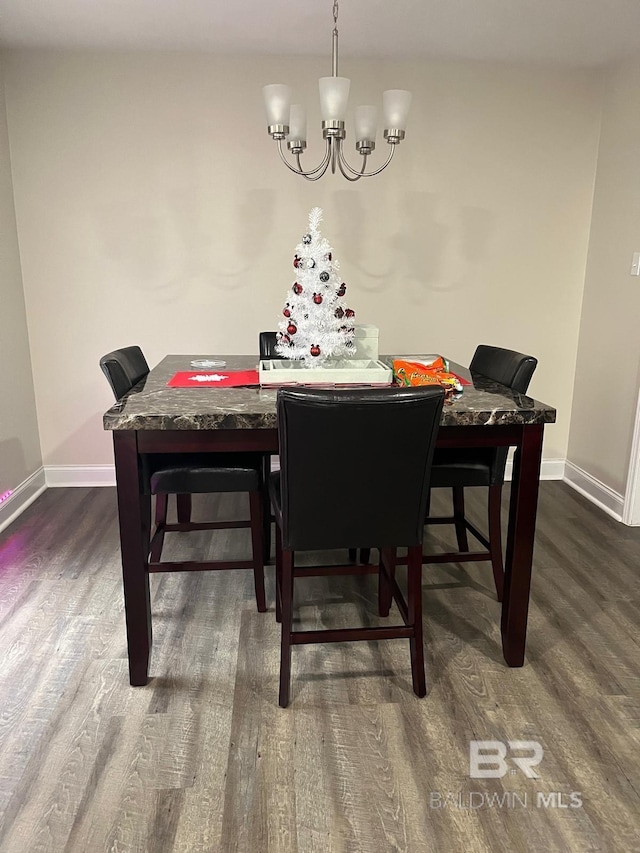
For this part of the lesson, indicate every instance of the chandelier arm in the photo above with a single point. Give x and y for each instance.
(322, 168)
(362, 173)
(345, 174)
(299, 170)
(311, 177)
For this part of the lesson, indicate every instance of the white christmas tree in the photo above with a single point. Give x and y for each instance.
(317, 324)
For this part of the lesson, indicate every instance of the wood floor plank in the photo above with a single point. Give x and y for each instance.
(203, 759)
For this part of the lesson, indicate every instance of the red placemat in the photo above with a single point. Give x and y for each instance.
(213, 378)
(462, 380)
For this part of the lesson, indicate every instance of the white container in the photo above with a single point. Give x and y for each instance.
(366, 339)
(344, 371)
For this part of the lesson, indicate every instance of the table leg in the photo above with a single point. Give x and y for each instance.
(134, 513)
(520, 540)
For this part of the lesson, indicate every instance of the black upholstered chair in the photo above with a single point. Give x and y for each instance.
(267, 349)
(191, 473)
(267, 342)
(384, 438)
(458, 469)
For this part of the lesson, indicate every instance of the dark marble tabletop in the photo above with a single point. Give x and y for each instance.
(151, 405)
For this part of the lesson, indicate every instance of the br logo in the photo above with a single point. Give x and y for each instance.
(488, 758)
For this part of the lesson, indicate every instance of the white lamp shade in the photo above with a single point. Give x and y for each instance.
(277, 99)
(334, 96)
(395, 106)
(366, 120)
(298, 123)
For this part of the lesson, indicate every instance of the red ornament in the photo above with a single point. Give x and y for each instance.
(350, 313)
(315, 350)
(342, 289)
(339, 313)
(296, 261)
(286, 311)
(292, 328)
(317, 298)
(297, 288)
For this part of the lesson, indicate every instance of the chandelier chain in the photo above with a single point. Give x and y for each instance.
(335, 14)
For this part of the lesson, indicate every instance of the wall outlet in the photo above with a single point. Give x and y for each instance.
(635, 264)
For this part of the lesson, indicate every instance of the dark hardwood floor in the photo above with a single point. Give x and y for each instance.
(203, 759)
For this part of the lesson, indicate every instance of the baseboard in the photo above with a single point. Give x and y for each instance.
(631, 513)
(104, 475)
(602, 496)
(550, 469)
(22, 497)
(59, 476)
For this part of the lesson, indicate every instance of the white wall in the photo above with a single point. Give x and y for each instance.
(608, 367)
(152, 208)
(20, 455)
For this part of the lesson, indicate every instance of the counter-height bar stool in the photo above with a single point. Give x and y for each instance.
(461, 468)
(267, 345)
(184, 474)
(385, 439)
(267, 348)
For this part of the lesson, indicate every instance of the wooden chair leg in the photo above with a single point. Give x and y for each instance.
(266, 507)
(458, 516)
(161, 509)
(183, 503)
(495, 537)
(266, 537)
(414, 608)
(160, 521)
(256, 515)
(286, 589)
(387, 565)
(148, 529)
(278, 575)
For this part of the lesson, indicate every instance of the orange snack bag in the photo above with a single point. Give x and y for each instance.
(414, 373)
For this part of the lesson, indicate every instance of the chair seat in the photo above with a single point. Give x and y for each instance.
(471, 466)
(200, 473)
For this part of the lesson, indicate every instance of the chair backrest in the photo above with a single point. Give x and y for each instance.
(509, 368)
(505, 366)
(124, 368)
(268, 342)
(355, 465)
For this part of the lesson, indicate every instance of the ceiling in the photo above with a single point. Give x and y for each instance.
(566, 32)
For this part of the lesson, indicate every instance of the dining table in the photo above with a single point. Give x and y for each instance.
(157, 418)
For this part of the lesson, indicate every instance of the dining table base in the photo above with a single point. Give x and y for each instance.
(134, 512)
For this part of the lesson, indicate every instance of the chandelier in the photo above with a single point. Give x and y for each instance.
(288, 121)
